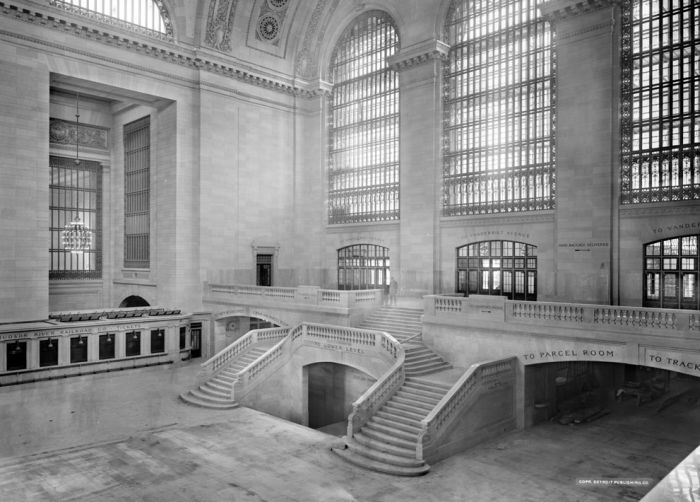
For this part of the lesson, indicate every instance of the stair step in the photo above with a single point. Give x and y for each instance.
(421, 358)
(398, 416)
(421, 391)
(212, 391)
(427, 401)
(401, 400)
(377, 466)
(219, 385)
(428, 371)
(389, 430)
(427, 385)
(396, 425)
(378, 435)
(426, 364)
(379, 445)
(193, 400)
(385, 457)
(208, 398)
(406, 410)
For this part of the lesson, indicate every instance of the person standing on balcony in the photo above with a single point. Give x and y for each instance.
(393, 290)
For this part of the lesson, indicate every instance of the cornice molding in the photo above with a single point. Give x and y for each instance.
(556, 10)
(418, 54)
(169, 53)
(676, 208)
(546, 216)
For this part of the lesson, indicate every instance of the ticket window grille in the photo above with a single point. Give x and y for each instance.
(505, 268)
(183, 337)
(132, 343)
(106, 346)
(48, 352)
(78, 349)
(364, 266)
(16, 355)
(157, 341)
(263, 269)
(671, 269)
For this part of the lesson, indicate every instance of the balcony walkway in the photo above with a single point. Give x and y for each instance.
(124, 436)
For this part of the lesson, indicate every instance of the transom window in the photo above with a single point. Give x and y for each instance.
(660, 101)
(505, 268)
(75, 192)
(363, 165)
(499, 120)
(671, 270)
(363, 266)
(146, 16)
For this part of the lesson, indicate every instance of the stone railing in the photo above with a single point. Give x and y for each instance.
(381, 391)
(222, 359)
(321, 336)
(308, 295)
(479, 377)
(585, 316)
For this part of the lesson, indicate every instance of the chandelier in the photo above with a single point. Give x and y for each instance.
(76, 237)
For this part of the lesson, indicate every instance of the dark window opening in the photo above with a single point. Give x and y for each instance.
(132, 343)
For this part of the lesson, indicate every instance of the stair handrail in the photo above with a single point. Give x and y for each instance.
(380, 392)
(461, 394)
(221, 359)
(412, 337)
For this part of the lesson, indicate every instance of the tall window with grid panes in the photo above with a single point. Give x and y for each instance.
(499, 96)
(363, 133)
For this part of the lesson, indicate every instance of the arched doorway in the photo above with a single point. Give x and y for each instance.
(363, 266)
(505, 268)
(133, 301)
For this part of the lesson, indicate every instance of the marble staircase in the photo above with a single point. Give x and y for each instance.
(405, 325)
(215, 393)
(387, 442)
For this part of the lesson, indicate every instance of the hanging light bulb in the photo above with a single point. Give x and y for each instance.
(50, 345)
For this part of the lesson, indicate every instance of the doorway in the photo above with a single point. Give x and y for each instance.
(196, 340)
(263, 269)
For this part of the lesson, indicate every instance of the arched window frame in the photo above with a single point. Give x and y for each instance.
(363, 133)
(506, 163)
(497, 267)
(660, 99)
(364, 266)
(96, 10)
(671, 269)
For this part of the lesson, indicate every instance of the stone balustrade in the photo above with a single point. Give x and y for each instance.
(307, 295)
(221, 360)
(478, 379)
(325, 337)
(595, 317)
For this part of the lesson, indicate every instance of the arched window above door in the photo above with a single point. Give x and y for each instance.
(671, 268)
(363, 266)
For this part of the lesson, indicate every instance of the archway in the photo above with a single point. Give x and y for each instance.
(331, 390)
(133, 301)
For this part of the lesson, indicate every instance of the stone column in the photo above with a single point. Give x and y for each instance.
(420, 83)
(587, 147)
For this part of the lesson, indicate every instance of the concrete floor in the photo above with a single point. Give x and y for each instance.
(124, 437)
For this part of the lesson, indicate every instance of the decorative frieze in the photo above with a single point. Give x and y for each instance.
(220, 24)
(63, 132)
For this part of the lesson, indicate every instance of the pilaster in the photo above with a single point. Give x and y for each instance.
(586, 52)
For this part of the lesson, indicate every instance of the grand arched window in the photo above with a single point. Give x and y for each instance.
(363, 165)
(671, 268)
(145, 16)
(363, 266)
(660, 101)
(499, 109)
(505, 268)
